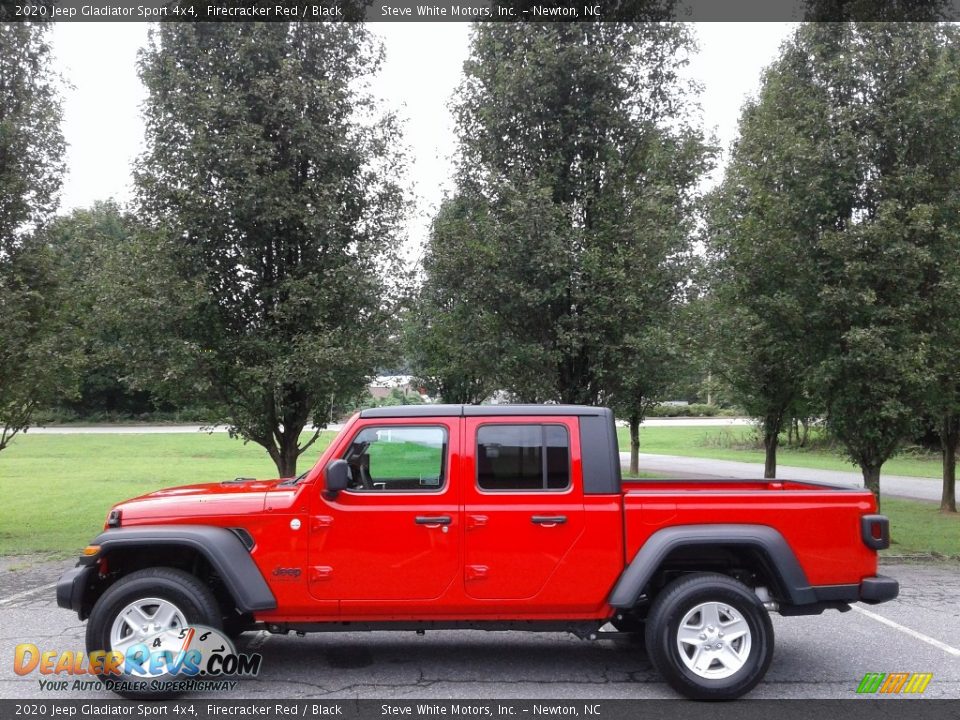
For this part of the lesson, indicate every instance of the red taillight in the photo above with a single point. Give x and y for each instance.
(875, 531)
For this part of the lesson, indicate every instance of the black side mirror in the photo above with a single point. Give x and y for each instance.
(336, 478)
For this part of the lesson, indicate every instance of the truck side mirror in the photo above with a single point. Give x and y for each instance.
(336, 478)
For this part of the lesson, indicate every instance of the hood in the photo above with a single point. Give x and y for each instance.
(233, 497)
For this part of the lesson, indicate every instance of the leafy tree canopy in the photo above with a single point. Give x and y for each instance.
(33, 363)
(579, 158)
(270, 187)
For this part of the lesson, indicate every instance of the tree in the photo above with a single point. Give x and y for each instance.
(884, 265)
(451, 339)
(855, 139)
(33, 368)
(577, 149)
(88, 247)
(651, 268)
(270, 273)
(651, 360)
(765, 223)
(942, 399)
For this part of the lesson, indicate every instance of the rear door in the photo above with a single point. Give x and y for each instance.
(523, 503)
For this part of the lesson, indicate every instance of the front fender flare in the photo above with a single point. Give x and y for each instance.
(221, 547)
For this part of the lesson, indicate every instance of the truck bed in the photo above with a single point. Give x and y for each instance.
(814, 518)
(674, 485)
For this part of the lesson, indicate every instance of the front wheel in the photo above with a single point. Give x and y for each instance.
(138, 608)
(710, 637)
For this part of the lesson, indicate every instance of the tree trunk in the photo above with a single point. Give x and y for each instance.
(770, 440)
(634, 444)
(871, 480)
(806, 431)
(289, 453)
(949, 438)
(772, 424)
(284, 451)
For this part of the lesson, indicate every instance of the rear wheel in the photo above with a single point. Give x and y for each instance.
(710, 637)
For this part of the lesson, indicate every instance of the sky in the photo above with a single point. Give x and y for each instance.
(103, 95)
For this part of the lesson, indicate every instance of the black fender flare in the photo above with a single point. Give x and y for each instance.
(222, 548)
(790, 577)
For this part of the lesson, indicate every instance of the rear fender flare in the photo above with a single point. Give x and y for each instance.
(790, 576)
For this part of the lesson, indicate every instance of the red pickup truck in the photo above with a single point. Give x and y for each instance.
(488, 517)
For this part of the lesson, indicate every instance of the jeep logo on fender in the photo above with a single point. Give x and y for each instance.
(286, 573)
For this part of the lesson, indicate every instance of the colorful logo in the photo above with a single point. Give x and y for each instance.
(186, 653)
(894, 683)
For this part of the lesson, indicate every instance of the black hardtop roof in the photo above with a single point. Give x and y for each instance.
(412, 411)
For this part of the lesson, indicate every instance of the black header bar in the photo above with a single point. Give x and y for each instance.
(480, 10)
(325, 708)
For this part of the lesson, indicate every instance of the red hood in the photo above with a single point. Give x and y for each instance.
(233, 497)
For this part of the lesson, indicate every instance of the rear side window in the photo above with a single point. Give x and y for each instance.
(523, 457)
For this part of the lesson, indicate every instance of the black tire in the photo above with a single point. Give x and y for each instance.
(663, 626)
(191, 596)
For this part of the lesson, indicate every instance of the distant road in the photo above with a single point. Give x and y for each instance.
(694, 422)
(676, 466)
(134, 429)
(669, 465)
(117, 429)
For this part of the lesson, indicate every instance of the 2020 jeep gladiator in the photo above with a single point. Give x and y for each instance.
(488, 517)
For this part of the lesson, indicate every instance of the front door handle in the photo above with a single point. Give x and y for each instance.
(433, 520)
(548, 519)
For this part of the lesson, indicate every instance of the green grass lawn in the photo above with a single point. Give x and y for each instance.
(918, 527)
(57, 489)
(721, 443)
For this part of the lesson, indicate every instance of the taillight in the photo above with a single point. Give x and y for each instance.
(875, 531)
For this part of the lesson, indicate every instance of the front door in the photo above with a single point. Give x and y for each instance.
(393, 534)
(523, 505)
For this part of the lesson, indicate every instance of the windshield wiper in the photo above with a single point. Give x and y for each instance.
(294, 481)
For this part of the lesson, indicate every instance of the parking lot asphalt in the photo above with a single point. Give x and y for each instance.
(816, 657)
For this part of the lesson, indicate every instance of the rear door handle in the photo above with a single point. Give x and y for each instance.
(548, 519)
(433, 520)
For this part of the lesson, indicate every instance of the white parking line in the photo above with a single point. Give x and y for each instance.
(24, 593)
(912, 633)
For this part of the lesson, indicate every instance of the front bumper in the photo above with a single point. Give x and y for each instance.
(72, 586)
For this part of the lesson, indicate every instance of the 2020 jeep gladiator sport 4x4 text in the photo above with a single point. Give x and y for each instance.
(489, 517)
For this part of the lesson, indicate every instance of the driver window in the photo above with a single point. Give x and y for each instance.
(392, 458)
